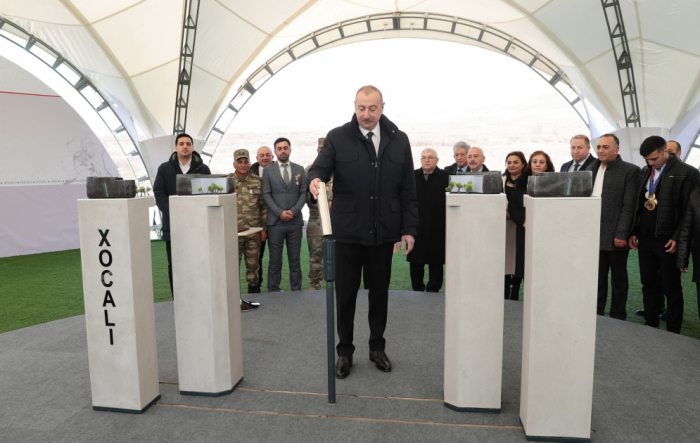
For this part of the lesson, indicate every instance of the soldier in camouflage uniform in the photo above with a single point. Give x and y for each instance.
(252, 212)
(314, 236)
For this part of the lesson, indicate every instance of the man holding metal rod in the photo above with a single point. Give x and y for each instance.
(374, 206)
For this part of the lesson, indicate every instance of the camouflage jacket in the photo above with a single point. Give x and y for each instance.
(252, 211)
(313, 206)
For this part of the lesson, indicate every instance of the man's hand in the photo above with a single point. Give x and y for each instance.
(507, 215)
(286, 215)
(263, 236)
(313, 187)
(671, 245)
(409, 240)
(633, 242)
(684, 270)
(620, 243)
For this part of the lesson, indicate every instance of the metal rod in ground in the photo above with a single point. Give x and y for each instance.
(329, 276)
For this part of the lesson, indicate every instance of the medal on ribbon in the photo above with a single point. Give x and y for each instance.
(650, 195)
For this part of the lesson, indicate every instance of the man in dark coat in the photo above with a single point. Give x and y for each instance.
(460, 165)
(185, 160)
(429, 249)
(374, 206)
(264, 158)
(615, 181)
(581, 157)
(689, 241)
(475, 160)
(664, 188)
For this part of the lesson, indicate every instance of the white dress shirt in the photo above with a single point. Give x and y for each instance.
(289, 168)
(375, 136)
(598, 185)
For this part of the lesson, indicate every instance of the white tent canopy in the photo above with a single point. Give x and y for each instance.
(129, 49)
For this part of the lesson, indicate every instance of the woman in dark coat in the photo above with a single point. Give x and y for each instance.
(539, 162)
(516, 166)
(430, 242)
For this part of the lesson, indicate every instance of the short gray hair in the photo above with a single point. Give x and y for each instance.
(460, 144)
(428, 149)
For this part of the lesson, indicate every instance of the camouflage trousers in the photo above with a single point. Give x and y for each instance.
(250, 246)
(314, 239)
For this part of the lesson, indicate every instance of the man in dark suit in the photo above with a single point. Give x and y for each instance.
(185, 160)
(664, 188)
(581, 156)
(615, 181)
(429, 249)
(374, 206)
(460, 153)
(284, 192)
(264, 158)
(475, 160)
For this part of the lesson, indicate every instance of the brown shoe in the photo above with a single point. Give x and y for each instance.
(249, 305)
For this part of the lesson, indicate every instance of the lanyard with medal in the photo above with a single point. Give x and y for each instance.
(651, 202)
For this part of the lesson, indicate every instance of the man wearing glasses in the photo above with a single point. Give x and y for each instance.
(429, 248)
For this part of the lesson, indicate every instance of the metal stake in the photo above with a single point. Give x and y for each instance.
(329, 276)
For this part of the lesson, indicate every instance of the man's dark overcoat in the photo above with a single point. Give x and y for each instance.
(430, 241)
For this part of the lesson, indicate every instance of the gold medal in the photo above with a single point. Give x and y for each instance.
(650, 204)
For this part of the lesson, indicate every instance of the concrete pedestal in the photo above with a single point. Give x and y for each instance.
(475, 259)
(204, 233)
(559, 318)
(115, 251)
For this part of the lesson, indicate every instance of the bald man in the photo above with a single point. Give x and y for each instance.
(475, 160)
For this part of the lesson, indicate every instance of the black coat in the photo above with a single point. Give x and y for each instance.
(452, 169)
(374, 202)
(586, 163)
(677, 183)
(689, 236)
(164, 185)
(618, 201)
(430, 241)
(516, 209)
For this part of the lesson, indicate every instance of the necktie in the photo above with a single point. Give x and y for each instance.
(426, 176)
(461, 171)
(576, 167)
(286, 174)
(369, 136)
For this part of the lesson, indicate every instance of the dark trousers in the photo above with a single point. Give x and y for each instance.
(277, 236)
(697, 291)
(260, 270)
(616, 263)
(168, 252)
(652, 259)
(350, 260)
(512, 287)
(435, 277)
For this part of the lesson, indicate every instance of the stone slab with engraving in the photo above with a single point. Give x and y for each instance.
(560, 184)
(204, 184)
(110, 187)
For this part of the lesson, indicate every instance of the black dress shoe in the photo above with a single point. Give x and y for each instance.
(640, 312)
(380, 360)
(663, 315)
(249, 305)
(342, 367)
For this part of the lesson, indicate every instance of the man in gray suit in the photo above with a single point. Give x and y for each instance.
(284, 192)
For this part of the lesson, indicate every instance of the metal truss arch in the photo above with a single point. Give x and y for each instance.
(190, 18)
(623, 61)
(389, 25)
(73, 76)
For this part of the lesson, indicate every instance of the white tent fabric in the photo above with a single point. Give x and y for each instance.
(130, 48)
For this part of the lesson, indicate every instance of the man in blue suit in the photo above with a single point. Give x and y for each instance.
(284, 192)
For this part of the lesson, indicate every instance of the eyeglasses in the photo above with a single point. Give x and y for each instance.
(428, 158)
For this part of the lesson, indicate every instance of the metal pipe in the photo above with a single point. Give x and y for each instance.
(329, 276)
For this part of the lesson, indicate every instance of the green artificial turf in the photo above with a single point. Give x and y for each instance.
(40, 288)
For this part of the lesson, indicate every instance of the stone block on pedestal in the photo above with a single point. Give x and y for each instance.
(115, 251)
(559, 317)
(206, 287)
(560, 184)
(475, 260)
